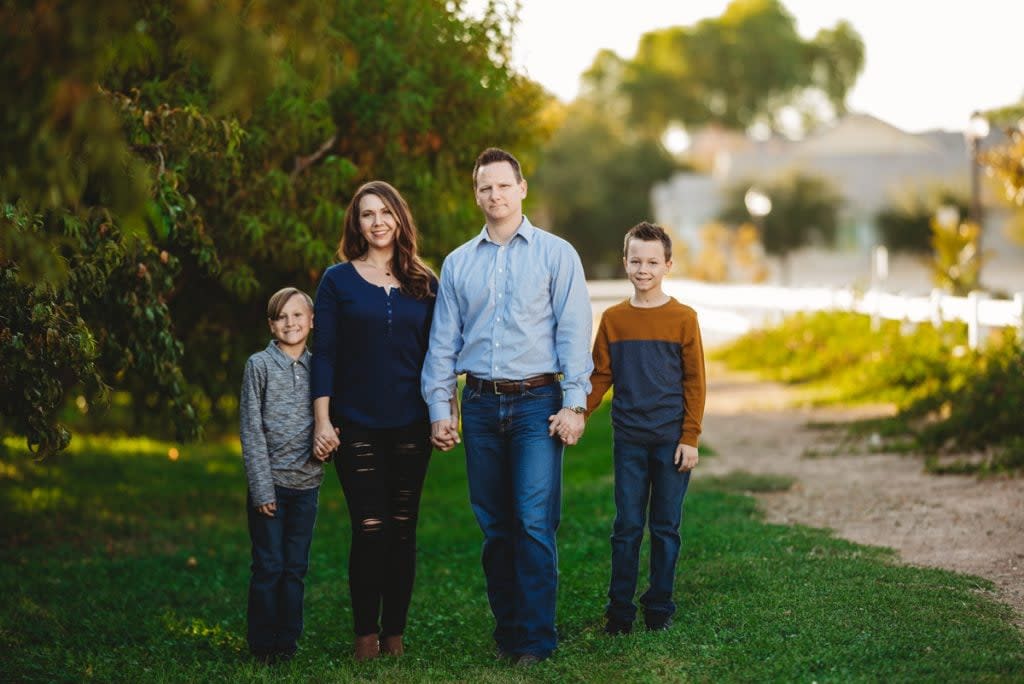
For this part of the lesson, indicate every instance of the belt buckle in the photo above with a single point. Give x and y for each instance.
(497, 392)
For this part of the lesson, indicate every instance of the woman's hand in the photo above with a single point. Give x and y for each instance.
(325, 440)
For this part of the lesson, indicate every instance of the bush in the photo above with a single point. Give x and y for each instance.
(948, 398)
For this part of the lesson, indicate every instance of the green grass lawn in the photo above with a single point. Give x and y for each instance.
(119, 564)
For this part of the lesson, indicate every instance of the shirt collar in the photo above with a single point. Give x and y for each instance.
(285, 361)
(526, 230)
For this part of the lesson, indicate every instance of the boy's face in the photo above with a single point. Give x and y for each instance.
(292, 326)
(645, 264)
(498, 192)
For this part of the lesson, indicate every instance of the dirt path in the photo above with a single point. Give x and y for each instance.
(954, 522)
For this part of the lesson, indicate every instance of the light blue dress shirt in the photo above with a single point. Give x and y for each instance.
(509, 312)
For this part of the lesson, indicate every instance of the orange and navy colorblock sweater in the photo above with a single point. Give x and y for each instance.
(655, 359)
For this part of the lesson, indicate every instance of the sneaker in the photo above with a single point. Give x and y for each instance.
(502, 655)
(615, 627)
(657, 623)
(528, 660)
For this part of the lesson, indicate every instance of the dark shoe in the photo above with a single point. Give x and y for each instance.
(392, 645)
(501, 654)
(528, 660)
(367, 647)
(616, 627)
(657, 623)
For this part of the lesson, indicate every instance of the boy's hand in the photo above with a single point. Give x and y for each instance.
(686, 457)
(268, 509)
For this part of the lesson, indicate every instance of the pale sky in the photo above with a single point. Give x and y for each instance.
(928, 64)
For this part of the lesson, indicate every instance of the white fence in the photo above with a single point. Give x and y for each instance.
(727, 311)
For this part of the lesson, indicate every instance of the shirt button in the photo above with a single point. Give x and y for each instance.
(499, 319)
(497, 344)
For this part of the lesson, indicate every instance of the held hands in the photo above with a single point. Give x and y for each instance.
(686, 457)
(444, 434)
(567, 425)
(325, 441)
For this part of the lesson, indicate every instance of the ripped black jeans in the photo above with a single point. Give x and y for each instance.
(382, 473)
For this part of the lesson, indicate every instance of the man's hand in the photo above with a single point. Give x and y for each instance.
(325, 440)
(268, 509)
(686, 457)
(567, 425)
(444, 433)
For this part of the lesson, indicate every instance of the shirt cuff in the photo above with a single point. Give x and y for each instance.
(442, 410)
(574, 397)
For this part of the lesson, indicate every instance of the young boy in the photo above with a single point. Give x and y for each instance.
(284, 479)
(649, 347)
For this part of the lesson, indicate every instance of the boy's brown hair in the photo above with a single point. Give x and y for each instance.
(281, 297)
(648, 232)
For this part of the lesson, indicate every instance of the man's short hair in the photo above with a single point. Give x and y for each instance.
(648, 232)
(281, 297)
(493, 155)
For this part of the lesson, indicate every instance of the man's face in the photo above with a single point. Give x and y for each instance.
(645, 264)
(498, 193)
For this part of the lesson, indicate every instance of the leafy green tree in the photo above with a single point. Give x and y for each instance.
(906, 224)
(805, 209)
(595, 182)
(177, 162)
(740, 69)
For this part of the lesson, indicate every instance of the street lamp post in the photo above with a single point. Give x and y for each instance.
(976, 131)
(758, 206)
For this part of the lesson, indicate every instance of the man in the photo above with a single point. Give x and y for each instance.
(513, 313)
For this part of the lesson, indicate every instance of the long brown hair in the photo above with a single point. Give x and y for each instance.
(414, 276)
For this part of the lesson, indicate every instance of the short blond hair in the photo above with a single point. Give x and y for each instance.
(281, 297)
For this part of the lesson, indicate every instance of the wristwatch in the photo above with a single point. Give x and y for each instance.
(577, 409)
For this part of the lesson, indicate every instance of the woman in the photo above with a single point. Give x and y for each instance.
(372, 319)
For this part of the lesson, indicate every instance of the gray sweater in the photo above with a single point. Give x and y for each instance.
(276, 416)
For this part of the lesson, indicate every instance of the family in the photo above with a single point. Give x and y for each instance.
(379, 392)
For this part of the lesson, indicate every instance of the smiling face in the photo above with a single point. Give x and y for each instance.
(498, 193)
(292, 325)
(377, 222)
(646, 265)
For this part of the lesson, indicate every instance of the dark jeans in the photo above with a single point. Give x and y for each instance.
(645, 472)
(280, 559)
(515, 487)
(382, 473)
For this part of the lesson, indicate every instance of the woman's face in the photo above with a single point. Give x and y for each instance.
(376, 222)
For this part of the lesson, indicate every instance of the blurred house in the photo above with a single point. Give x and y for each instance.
(868, 161)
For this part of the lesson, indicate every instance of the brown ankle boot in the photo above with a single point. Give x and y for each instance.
(367, 647)
(392, 645)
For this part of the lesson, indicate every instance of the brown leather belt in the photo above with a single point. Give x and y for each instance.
(510, 386)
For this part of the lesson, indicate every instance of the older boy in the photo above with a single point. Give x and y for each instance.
(284, 479)
(649, 347)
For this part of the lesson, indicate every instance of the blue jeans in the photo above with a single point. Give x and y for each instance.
(645, 472)
(280, 558)
(515, 487)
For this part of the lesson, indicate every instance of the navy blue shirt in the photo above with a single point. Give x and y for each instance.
(368, 350)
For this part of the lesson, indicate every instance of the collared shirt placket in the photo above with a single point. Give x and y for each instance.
(500, 278)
